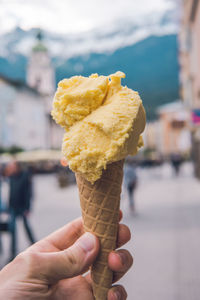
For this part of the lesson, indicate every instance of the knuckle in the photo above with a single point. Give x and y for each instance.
(122, 291)
(71, 258)
(126, 229)
(29, 261)
(33, 258)
(131, 260)
(20, 259)
(128, 258)
(125, 294)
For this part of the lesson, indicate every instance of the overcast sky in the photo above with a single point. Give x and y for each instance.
(73, 16)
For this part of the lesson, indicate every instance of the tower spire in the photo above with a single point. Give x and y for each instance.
(40, 73)
(39, 35)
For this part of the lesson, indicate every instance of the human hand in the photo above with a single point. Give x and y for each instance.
(51, 269)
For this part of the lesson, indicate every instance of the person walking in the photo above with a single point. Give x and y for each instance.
(130, 179)
(20, 196)
(176, 161)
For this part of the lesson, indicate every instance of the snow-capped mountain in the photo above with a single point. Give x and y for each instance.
(145, 49)
(107, 39)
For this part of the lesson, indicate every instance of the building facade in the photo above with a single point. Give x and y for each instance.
(189, 58)
(25, 114)
(22, 116)
(170, 133)
(174, 133)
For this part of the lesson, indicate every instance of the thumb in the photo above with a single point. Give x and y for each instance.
(70, 262)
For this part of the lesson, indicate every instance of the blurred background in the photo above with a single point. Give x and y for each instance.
(157, 44)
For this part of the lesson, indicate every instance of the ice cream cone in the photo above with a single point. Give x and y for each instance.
(100, 210)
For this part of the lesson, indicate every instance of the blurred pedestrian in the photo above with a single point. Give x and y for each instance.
(20, 196)
(130, 180)
(1, 206)
(176, 161)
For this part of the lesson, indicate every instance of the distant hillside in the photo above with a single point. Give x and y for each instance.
(150, 65)
(14, 67)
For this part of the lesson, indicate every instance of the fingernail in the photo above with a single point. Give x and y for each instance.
(87, 241)
(123, 258)
(117, 295)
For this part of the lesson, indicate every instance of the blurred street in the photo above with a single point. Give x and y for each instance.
(165, 230)
(45, 66)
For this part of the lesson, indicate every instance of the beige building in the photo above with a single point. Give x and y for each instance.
(189, 57)
(174, 129)
(150, 135)
(170, 134)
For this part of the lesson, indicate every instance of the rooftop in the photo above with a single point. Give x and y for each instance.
(17, 83)
(39, 47)
(171, 107)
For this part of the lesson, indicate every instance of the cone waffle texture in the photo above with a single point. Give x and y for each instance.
(100, 210)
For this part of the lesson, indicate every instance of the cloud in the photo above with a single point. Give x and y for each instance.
(71, 16)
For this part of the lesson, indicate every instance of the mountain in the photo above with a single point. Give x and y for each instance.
(114, 35)
(146, 51)
(150, 65)
(14, 67)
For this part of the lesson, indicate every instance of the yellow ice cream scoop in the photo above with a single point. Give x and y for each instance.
(77, 97)
(103, 122)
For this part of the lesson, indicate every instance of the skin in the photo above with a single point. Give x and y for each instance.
(52, 268)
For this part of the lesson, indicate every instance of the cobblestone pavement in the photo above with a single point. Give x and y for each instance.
(165, 231)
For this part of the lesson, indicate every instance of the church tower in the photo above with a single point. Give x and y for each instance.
(40, 73)
(41, 77)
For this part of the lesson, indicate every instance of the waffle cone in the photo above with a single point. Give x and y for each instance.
(100, 210)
